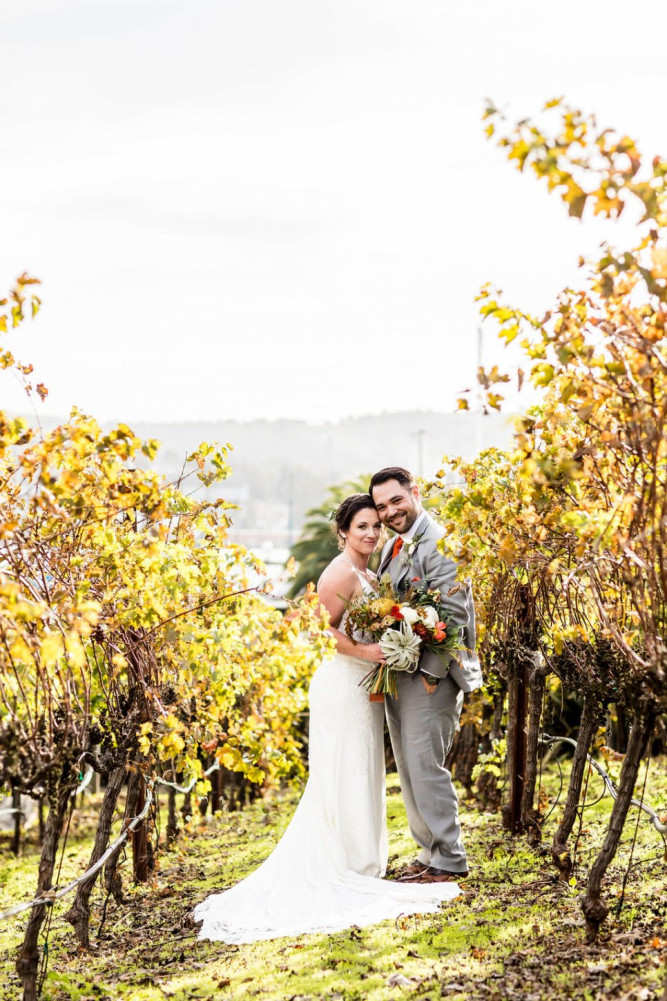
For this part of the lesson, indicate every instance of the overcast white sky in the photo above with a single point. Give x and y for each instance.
(284, 208)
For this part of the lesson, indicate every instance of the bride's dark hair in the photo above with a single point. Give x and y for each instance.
(346, 512)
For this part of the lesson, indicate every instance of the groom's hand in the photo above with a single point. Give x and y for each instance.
(430, 688)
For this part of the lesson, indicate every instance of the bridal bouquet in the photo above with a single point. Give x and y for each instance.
(404, 626)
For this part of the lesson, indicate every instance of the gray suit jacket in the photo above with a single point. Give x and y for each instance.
(428, 563)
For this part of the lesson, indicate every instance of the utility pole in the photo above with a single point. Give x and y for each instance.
(479, 366)
(290, 509)
(478, 409)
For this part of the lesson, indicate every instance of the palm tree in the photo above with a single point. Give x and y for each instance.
(317, 545)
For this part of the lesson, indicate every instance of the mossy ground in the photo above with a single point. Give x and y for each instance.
(515, 932)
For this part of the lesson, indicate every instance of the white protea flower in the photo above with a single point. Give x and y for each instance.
(401, 648)
(429, 616)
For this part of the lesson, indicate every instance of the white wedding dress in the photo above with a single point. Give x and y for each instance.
(324, 874)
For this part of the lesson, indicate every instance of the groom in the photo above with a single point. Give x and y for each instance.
(424, 717)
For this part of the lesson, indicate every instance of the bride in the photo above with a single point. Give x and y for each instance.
(325, 873)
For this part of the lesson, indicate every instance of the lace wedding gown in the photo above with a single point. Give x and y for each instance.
(323, 875)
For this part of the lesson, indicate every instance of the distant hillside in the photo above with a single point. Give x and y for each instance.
(282, 468)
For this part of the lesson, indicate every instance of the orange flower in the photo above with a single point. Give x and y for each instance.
(440, 631)
(396, 612)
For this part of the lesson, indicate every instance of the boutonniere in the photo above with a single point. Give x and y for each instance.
(408, 549)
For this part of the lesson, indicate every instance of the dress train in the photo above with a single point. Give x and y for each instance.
(325, 873)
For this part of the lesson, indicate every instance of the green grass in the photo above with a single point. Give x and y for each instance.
(515, 932)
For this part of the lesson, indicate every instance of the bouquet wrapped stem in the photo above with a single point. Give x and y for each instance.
(381, 680)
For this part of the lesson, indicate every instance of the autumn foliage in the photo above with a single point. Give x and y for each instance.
(131, 641)
(130, 637)
(565, 534)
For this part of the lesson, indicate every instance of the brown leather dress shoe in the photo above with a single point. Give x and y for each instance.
(432, 875)
(412, 872)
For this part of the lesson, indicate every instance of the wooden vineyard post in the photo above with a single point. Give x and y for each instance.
(140, 865)
(517, 709)
(516, 744)
(18, 819)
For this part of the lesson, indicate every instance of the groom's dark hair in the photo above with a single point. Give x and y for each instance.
(404, 477)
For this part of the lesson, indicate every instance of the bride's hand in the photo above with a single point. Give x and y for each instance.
(370, 651)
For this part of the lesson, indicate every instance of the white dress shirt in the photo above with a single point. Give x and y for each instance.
(414, 528)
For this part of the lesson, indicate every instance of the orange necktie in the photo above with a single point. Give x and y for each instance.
(398, 545)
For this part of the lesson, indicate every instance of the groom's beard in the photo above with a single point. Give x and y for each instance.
(403, 523)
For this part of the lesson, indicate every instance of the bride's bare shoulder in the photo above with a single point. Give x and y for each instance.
(338, 574)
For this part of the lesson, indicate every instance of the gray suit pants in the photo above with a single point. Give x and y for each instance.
(422, 728)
